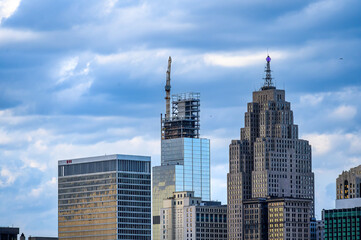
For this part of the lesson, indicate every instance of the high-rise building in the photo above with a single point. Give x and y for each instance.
(185, 217)
(185, 157)
(105, 197)
(269, 161)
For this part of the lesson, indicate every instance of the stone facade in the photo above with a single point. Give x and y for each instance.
(269, 161)
(348, 184)
(185, 217)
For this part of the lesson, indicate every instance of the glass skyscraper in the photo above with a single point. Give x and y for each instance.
(185, 158)
(106, 197)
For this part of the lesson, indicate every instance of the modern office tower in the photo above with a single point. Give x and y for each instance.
(269, 161)
(348, 184)
(105, 197)
(185, 157)
(9, 233)
(185, 217)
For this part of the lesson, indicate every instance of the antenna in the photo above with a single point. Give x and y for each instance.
(167, 90)
(268, 84)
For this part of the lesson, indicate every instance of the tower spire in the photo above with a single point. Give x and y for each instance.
(268, 84)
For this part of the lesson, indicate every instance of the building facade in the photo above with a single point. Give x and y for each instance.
(185, 217)
(105, 197)
(185, 157)
(9, 233)
(342, 223)
(269, 160)
(320, 230)
(348, 184)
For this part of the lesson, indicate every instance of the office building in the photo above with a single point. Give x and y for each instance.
(9, 233)
(342, 223)
(185, 157)
(105, 197)
(269, 161)
(185, 217)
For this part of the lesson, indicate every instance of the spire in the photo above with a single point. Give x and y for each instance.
(268, 84)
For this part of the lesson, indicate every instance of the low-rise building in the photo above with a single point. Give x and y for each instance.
(184, 216)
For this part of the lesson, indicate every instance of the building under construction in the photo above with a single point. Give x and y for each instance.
(184, 122)
(185, 157)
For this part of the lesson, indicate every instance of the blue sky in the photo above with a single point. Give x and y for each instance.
(86, 77)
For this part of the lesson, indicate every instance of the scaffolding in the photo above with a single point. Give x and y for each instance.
(185, 117)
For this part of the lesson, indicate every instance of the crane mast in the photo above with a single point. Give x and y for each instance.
(167, 90)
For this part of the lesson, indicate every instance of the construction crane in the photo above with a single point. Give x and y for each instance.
(167, 90)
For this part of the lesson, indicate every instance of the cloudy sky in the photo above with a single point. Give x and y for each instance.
(85, 78)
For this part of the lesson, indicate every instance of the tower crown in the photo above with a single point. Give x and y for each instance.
(268, 84)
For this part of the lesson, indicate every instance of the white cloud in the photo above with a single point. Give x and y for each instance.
(7, 177)
(7, 8)
(321, 143)
(9, 36)
(311, 99)
(74, 93)
(344, 112)
(67, 68)
(45, 188)
(240, 59)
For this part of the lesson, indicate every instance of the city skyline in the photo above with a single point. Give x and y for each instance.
(89, 81)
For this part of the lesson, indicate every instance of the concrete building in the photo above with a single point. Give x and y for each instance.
(320, 230)
(185, 157)
(9, 233)
(105, 197)
(269, 161)
(185, 217)
(348, 184)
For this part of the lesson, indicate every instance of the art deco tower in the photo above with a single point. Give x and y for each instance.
(269, 166)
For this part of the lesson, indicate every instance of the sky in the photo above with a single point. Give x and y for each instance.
(86, 78)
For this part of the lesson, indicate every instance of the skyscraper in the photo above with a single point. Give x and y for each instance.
(270, 162)
(105, 197)
(185, 158)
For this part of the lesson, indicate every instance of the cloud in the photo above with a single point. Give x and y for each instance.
(44, 188)
(311, 99)
(7, 177)
(11, 36)
(344, 112)
(7, 8)
(240, 59)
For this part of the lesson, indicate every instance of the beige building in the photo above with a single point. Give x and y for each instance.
(348, 184)
(105, 198)
(185, 217)
(269, 161)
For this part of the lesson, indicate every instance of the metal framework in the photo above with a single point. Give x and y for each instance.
(185, 117)
(268, 84)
